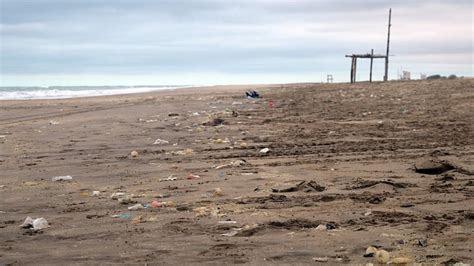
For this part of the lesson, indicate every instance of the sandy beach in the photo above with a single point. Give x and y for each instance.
(307, 174)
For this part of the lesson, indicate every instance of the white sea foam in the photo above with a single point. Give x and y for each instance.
(24, 93)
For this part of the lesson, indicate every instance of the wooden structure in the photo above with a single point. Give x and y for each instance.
(330, 79)
(354, 57)
(372, 56)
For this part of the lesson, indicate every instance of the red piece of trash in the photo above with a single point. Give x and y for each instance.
(270, 104)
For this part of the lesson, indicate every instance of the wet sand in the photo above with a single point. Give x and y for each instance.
(359, 144)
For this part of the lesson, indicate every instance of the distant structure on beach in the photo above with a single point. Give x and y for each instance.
(330, 78)
(423, 76)
(372, 56)
(406, 75)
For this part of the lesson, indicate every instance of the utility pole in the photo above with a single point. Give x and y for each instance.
(385, 78)
(371, 63)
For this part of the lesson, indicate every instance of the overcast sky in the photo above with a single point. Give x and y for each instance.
(111, 42)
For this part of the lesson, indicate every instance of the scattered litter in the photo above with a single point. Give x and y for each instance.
(202, 211)
(184, 152)
(245, 231)
(169, 178)
(35, 224)
(422, 242)
(320, 259)
(136, 207)
(134, 154)
(173, 114)
(61, 178)
(252, 94)
(367, 213)
(162, 204)
(192, 176)
(160, 142)
(382, 256)
(321, 227)
(231, 233)
(227, 222)
(264, 150)
(156, 204)
(236, 163)
(370, 251)
(214, 122)
(220, 141)
(95, 193)
(218, 192)
(117, 195)
(121, 216)
(53, 122)
(302, 186)
(84, 194)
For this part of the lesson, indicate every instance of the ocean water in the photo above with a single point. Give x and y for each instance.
(56, 92)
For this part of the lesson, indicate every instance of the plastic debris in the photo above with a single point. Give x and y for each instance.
(169, 178)
(236, 163)
(156, 204)
(264, 150)
(320, 259)
(227, 222)
(321, 227)
(61, 178)
(162, 204)
(218, 192)
(231, 233)
(134, 154)
(117, 195)
(53, 122)
(192, 176)
(382, 256)
(95, 193)
(252, 94)
(40, 223)
(202, 211)
(122, 216)
(370, 251)
(35, 224)
(184, 152)
(27, 223)
(160, 142)
(136, 207)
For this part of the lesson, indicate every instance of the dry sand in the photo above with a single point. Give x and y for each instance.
(358, 143)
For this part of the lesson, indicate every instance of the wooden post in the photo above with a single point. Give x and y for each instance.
(352, 70)
(371, 63)
(355, 68)
(385, 78)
